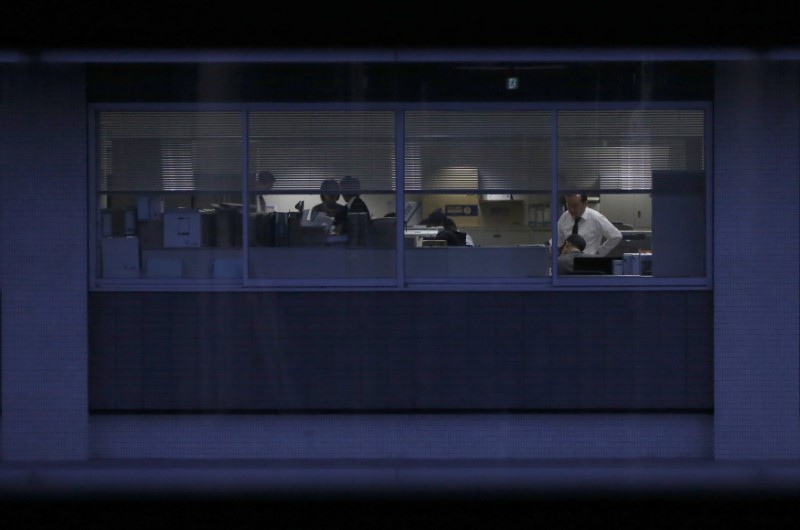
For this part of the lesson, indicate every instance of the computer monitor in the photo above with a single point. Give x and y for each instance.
(593, 265)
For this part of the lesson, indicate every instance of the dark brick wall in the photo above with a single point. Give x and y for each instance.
(348, 351)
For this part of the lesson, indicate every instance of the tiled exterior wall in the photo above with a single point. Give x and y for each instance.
(414, 351)
(44, 260)
(756, 274)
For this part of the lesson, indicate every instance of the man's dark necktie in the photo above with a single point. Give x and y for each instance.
(575, 226)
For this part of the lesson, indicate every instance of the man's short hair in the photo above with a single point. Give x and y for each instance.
(265, 177)
(329, 187)
(449, 224)
(350, 185)
(584, 197)
(436, 218)
(576, 241)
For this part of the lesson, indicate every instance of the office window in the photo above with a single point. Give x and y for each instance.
(483, 188)
(644, 171)
(488, 172)
(168, 188)
(297, 157)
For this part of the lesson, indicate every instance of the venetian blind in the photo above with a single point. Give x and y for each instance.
(301, 149)
(619, 149)
(487, 150)
(169, 151)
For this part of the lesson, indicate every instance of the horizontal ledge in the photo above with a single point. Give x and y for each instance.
(398, 55)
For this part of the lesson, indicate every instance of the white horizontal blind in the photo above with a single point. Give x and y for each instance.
(301, 149)
(486, 150)
(619, 149)
(169, 151)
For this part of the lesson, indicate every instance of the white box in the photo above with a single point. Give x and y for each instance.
(182, 228)
(120, 257)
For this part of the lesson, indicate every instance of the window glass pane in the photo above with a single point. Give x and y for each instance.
(169, 195)
(295, 159)
(169, 151)
(477, 194)
(641, 175)
(488, 173)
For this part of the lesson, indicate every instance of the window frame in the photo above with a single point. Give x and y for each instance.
(399, 282)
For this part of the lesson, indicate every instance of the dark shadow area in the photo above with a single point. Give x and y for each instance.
(235, 25)
(417, 511)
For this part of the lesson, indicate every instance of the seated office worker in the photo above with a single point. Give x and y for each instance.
(453, 236)
(449, 231)
(329, 195)
(351, 189)
(589, 224)
(573, 246)
(436, 218)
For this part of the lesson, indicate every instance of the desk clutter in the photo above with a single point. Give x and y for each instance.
(220, 226)
(285, 229)
(629, 264)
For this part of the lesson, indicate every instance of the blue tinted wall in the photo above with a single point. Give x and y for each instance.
(59, 359)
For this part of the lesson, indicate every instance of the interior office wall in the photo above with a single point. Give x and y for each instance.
(43, 260)
(634, 209)
(757, 156)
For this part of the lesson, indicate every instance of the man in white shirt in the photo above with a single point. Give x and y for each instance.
(589, 224)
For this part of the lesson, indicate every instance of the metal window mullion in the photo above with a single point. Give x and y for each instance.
(93, 197)
(554, 214)
(245, 154)
(399, 197)
(708, 170)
